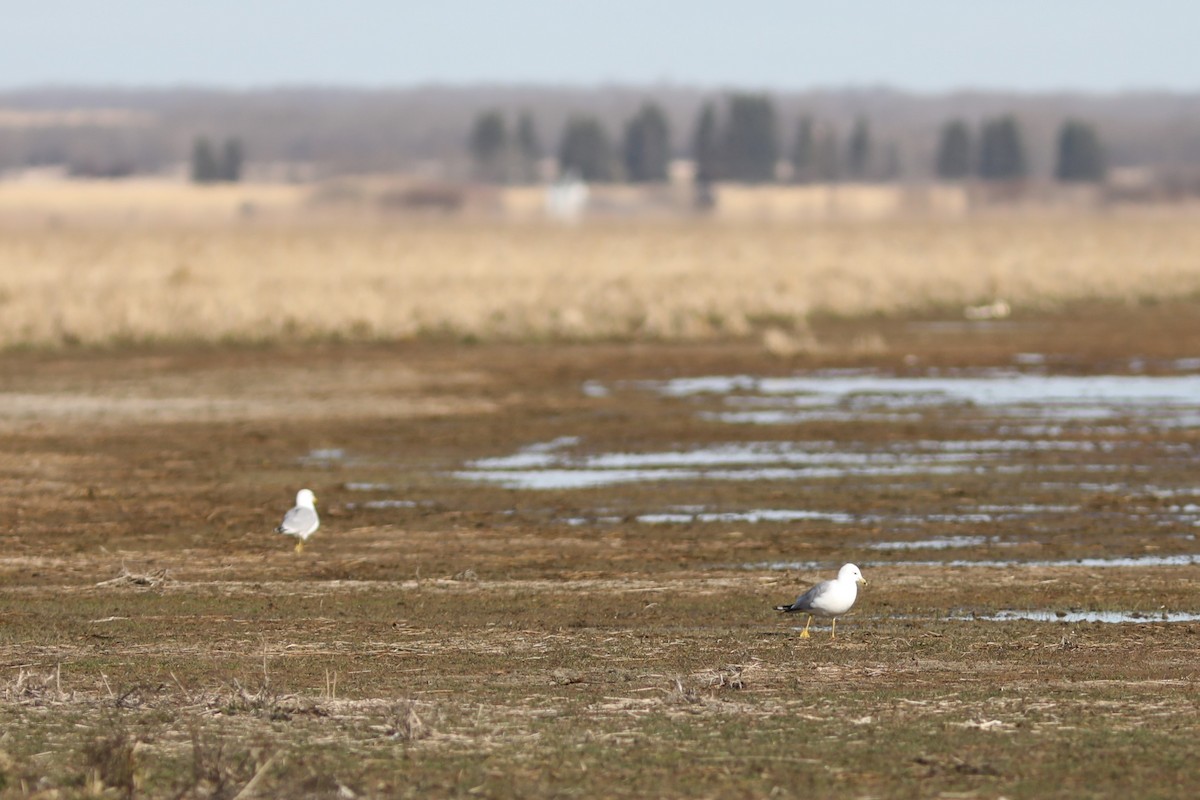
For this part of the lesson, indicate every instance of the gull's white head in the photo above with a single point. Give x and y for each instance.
(851, 573)
(306, 499)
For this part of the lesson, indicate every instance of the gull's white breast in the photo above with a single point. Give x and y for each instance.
(837, 599)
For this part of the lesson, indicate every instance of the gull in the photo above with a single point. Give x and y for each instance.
(302, 521)
(829, 598)
(998, 309)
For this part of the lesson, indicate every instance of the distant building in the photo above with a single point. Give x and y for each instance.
(566, 198)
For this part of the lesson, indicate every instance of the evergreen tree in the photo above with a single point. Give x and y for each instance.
(1002, 153)
(647, 149)
(586, 150)
(858, 150)
(529, 146)
(751, 144)
(804, 152)
(706, 150)
(1080, 156)
(954, 151)
(489, 146)
(232, 158)
(205, 166)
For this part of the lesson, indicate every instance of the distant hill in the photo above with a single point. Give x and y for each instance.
(425, 128)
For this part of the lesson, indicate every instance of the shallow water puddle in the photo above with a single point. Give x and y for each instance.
(383, 504)
(990, 388)
(798, 417)
(685, 515)
(858, 396)
(585, 478)
(944, 543)
(1157, 401)
(760, 515)
(732, 454)
(1081, 616)
(1086, 563)
(1097, 456)
(552, 465)
(553, 479)
(324, 456)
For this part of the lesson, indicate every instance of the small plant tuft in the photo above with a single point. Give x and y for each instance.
(406, 724)
(111, 763)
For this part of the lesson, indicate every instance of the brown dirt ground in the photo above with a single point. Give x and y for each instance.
(156, 639)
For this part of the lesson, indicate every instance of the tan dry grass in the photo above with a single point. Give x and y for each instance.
(488, 279)
(141, 201)
(837, 202)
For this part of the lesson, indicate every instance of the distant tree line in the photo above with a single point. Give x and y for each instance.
(745, 146)
(818, 155)
(322, 133)
(585, 149)
(1000, 154)
(213, 165)
(741, 142)
(501, 155)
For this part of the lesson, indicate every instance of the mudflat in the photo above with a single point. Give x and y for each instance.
(549, 570)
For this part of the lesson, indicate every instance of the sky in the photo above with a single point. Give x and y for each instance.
(916, 45)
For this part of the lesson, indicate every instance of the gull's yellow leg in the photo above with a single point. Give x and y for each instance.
(833, 633)
(804, 633)
(299, 545)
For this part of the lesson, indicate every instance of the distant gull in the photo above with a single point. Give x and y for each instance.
(998, 309)
(829, 598)
(302, 521)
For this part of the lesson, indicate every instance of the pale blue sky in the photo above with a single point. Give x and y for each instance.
(921, 45)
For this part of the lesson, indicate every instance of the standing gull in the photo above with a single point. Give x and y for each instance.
(829, 598)
(302, 521)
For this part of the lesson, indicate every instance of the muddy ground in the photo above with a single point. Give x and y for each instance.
(449, 634)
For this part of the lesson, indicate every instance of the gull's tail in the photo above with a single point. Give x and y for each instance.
(786, 608)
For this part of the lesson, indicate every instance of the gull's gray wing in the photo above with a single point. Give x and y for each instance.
(805, 601)
(299, 521)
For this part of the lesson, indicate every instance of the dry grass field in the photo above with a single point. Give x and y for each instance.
(140, 202)
(201, 270)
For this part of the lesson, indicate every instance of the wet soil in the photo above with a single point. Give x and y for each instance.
(451, 631)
